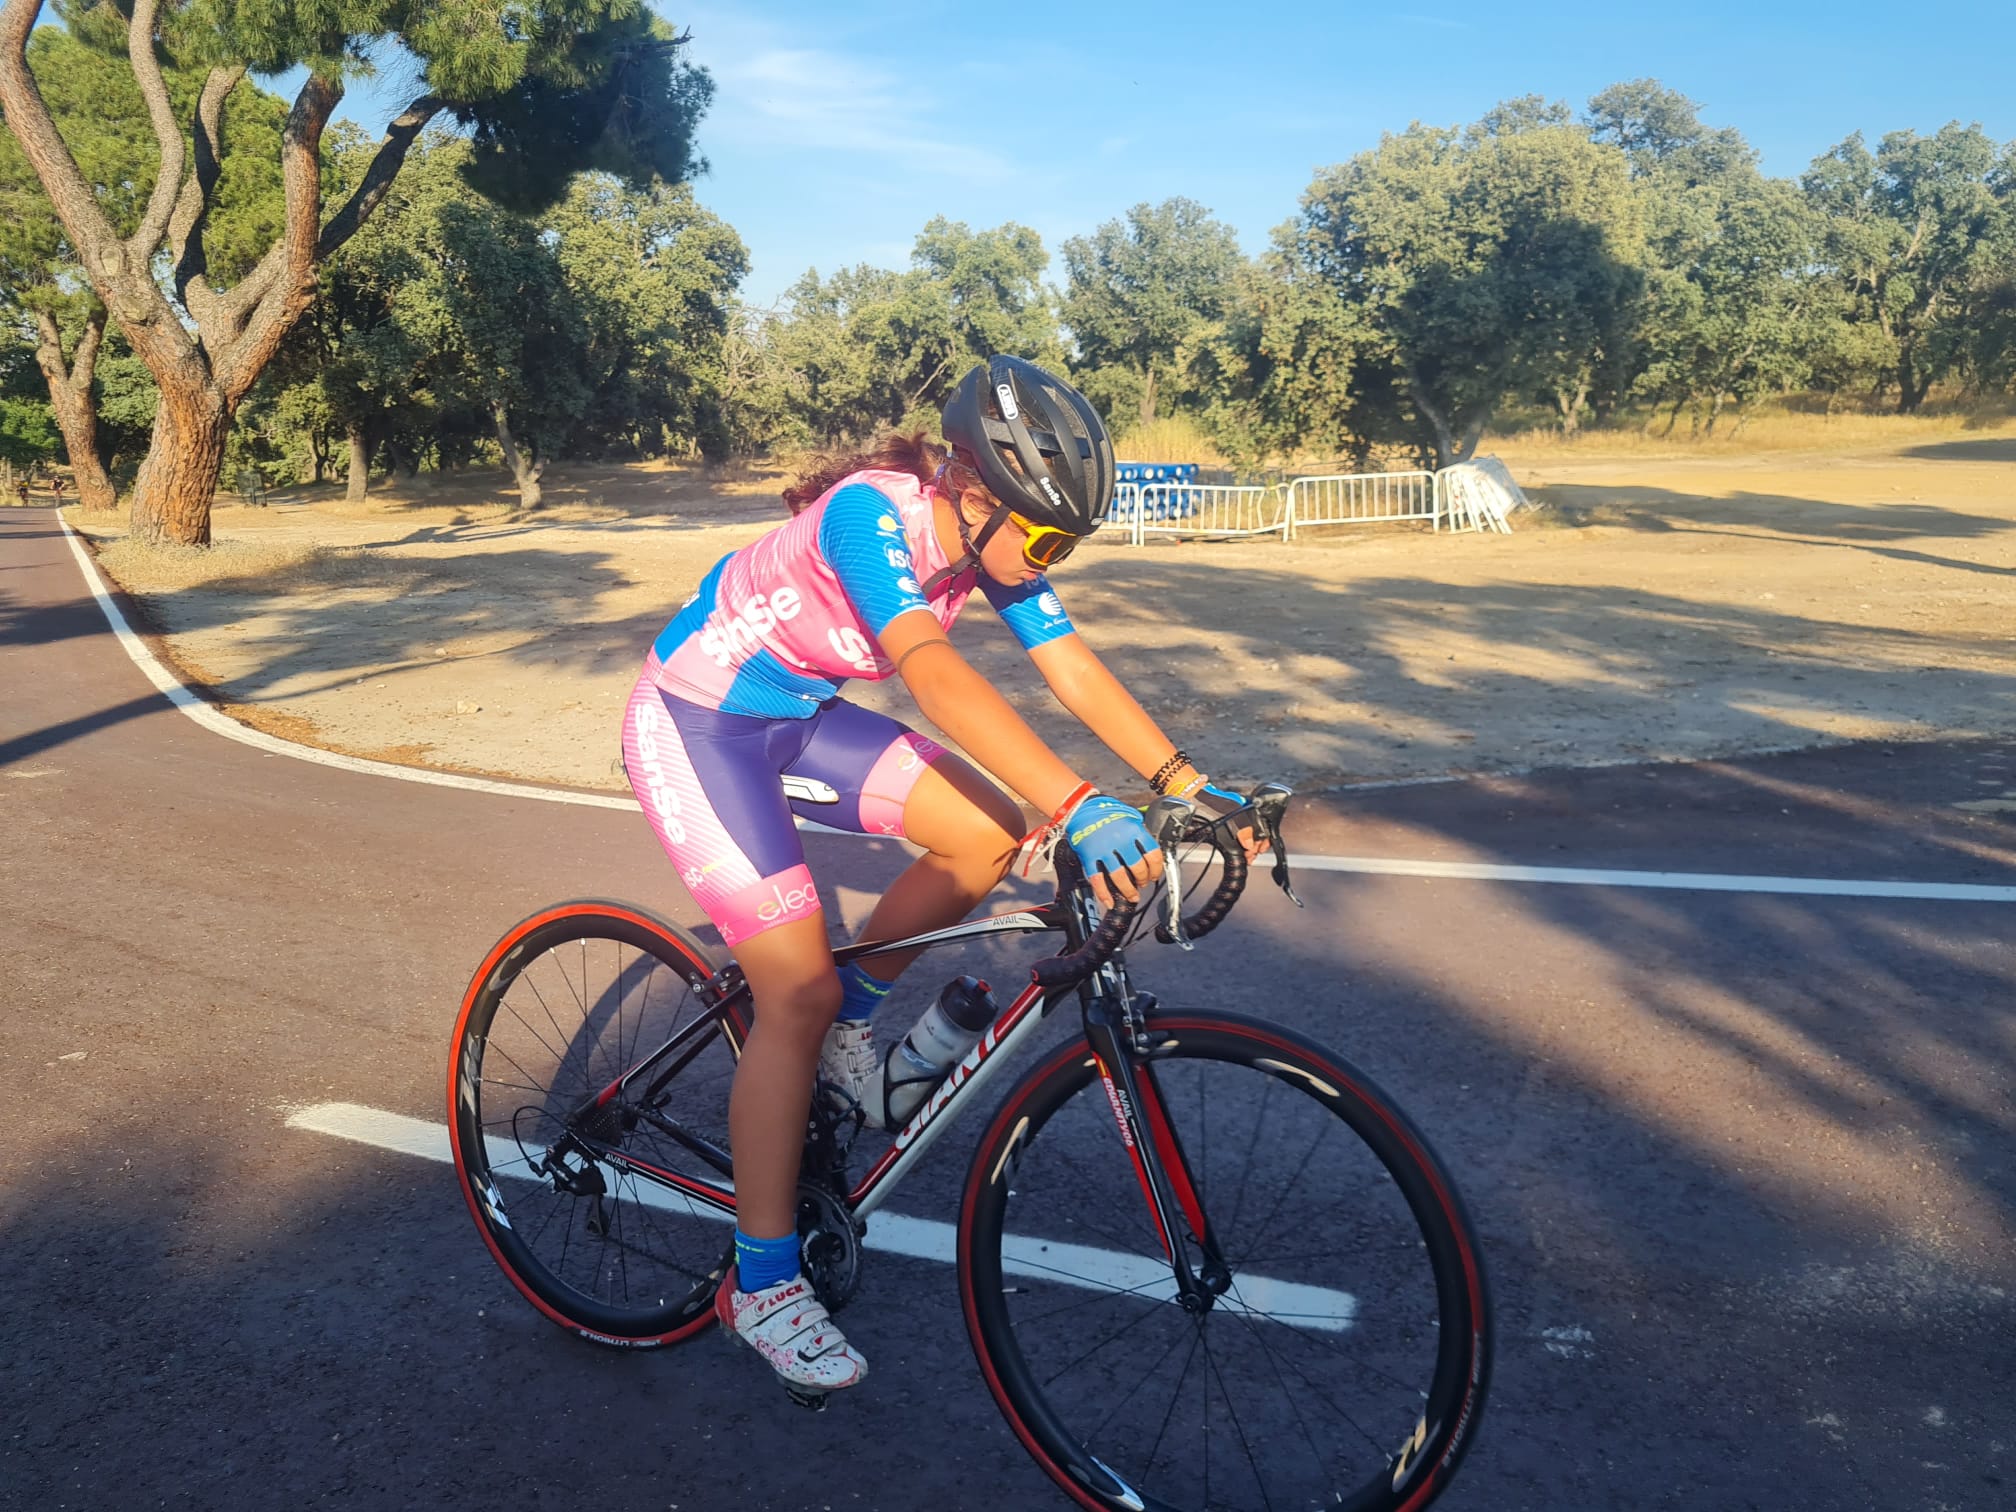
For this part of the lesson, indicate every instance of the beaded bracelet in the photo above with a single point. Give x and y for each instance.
(1169, 769)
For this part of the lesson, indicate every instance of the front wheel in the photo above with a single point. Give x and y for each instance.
(1345, 1356)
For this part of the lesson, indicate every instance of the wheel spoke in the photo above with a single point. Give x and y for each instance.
(640, 1277)
(1275, 1397)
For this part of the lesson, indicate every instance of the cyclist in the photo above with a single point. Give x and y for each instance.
(741, 689)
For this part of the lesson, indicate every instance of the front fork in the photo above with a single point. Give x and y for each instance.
(1120, 1040)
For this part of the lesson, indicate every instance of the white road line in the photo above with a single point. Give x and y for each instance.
(892, 1233)
(1574, 876)
(219, 723)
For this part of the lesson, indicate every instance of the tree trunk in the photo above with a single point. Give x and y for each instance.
(526, 471)
(70, 399)
(360, 465)
(178, 481)
(1445, 438)
(1911, 388)
(204, 372)
(318, 454)
(1148, 396)
(1570, 406)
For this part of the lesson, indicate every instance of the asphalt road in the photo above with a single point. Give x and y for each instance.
(1744, 1162)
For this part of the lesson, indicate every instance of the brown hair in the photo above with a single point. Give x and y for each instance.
(895, 452)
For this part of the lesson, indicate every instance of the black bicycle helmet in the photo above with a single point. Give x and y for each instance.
(1062, 470)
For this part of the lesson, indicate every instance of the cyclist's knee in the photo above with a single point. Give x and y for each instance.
(967, 819)
(803, 1009)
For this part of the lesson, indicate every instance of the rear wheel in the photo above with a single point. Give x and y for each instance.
(564, 1004)
(1345, 1357)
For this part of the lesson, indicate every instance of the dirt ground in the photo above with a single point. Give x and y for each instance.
(1651, 608)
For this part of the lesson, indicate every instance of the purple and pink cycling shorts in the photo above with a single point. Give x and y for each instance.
(711, 785)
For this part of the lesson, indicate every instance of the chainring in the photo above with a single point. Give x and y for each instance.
(829, 1245)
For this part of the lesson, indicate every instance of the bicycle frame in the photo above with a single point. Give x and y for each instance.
(1114, 1032)
(1011, 1027)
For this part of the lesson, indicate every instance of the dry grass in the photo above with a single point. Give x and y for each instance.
(233, 565)
(1774, 429)
(1173, 438)
(251, 564)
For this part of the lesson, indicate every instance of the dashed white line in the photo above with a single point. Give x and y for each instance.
(892, 1233)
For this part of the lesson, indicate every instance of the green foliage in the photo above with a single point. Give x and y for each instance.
(1498, 260)
(124, 394)
(27, 431)
(598, 328)
(1660, 131)
(1731, 314)
(544, 88)
(871, 347)
(1920, 238)
(1139, 289)
(651, 273)
(1276, 373)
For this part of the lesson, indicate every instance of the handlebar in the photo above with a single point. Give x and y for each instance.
(1175, 823)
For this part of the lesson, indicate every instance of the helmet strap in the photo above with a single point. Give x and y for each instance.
(971, 560)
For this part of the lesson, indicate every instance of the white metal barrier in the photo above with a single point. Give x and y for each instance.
(1477, 495)
(1209, 509)
(1481, 495)
(1363, 499)
(1216, 510)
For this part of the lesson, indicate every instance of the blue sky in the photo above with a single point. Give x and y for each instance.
(837, 131)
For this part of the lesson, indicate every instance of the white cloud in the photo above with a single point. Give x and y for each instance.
(826, 100)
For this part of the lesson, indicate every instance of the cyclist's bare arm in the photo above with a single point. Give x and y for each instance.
(966, 707)
(1087, 687)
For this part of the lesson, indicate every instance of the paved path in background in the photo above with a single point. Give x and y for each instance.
(1745, 1163)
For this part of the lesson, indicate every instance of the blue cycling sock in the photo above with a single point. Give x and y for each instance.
(860, 993)
(764, 1262)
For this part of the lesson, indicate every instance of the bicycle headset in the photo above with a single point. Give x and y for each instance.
(1062, 470)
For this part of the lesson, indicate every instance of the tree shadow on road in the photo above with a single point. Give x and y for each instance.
(2002, 449)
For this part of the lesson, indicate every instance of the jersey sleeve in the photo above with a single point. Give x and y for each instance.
(861, 537)
(1032, 610)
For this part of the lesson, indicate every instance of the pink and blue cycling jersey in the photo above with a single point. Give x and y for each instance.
(779, 625)
(742, 688)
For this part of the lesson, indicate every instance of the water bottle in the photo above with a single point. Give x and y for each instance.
(949, 1028)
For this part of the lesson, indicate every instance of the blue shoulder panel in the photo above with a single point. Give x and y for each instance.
(1032, 610)
(861, 536)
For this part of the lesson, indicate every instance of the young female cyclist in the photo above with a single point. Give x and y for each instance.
(741, 689)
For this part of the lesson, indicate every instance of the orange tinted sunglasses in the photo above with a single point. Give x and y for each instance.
(1044, 546)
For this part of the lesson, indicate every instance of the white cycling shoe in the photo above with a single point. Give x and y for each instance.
(848, 1061)
(790, 1328)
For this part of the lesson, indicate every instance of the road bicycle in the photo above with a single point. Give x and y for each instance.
(1204, 1262)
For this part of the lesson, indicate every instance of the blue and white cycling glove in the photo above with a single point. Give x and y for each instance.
(1104, 832)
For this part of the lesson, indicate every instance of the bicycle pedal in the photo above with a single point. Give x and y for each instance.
(814, 1401)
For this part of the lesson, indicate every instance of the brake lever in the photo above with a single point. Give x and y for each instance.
(1270, 803)
(1167, 819)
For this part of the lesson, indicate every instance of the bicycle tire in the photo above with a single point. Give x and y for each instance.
(1069, 1322)
(534, 1040)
